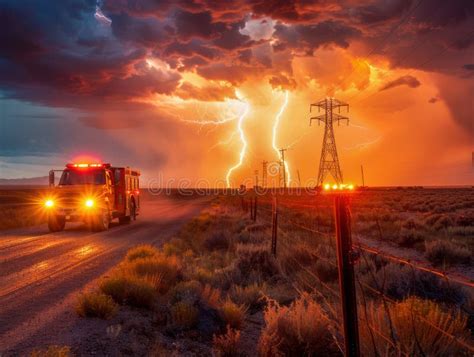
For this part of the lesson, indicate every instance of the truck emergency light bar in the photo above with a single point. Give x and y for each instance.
(85, 166)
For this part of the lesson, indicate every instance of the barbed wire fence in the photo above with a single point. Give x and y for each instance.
(303, 237)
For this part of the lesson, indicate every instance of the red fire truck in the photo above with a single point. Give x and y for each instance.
(92, 193)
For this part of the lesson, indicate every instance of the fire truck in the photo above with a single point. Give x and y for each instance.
(93, 193)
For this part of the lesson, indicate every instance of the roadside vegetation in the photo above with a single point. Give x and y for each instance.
(215, 288)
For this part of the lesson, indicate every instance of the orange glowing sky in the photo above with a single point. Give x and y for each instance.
(177, 90)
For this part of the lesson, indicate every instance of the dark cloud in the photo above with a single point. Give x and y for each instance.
(149, 32)
(308, 38)
(62, 55)
(191, 48)
(197, 24)
(458, 94)
(433, 100)
(408, 80)
(282, 81)
(469, 67)
(380, 11)
(233, 39)
(221, 71)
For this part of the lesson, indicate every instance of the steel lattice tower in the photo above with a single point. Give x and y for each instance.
(329, 162)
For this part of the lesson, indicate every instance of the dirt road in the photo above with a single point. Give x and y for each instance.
(41, 273)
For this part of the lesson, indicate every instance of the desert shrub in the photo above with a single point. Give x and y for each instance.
(53, 351)
(253, 258)
(414, 317)
(465, 220)
(250, 295)
(465, 231)
(167, 268)
(301, 329)
(400, 281)
(300, 253)
(184, 315)
(410, 224)
(96, 304)
(227, 344)
(443, 223)
(202, 274)
(217, 241)
(409, 237)
(442, 252)
(188, 291)
(142, 251)
(130, 290)
(175, 247)
(232, 315)
(326, 272)
(210, 296)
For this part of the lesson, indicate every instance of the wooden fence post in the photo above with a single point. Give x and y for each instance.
(274, 226)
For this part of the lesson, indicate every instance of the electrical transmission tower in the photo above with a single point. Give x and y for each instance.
(329, 162)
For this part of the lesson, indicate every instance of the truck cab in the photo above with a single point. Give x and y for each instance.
(92, 193)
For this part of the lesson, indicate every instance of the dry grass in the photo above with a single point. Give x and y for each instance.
(232, 314)
(227, 344)
(142, 251)
(184, 315)
(250, 296)
(301, 329)
(130, 290)
(412, 321)
(211, 296)
(96, 304)
(167, 268)
(442, 252)
(53, 351)
(256, 260)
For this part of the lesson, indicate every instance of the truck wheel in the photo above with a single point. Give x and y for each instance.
(56, 223)
(133, 211)
(124, 219)
(101, 222)
(133, 215)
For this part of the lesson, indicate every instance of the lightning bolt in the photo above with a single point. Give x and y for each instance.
(208, 122)
(275, 129)
(99, 15)
(243, 150)
(223, 142)
(363, 145)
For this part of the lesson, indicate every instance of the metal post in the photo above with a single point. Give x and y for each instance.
(250, 203)
(274, 226)
(346, 258)
(255, 209)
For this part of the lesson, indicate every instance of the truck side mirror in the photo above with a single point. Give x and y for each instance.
(51, 178)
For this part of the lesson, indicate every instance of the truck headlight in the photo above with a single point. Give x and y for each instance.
(49, 203)
(90, 203)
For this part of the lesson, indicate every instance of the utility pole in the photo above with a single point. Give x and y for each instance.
(256, 178)
(299, 178)
(264, 173)
(329, 161)
(362, 173)
(282, 163)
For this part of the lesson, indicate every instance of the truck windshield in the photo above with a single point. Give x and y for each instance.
(85, 177)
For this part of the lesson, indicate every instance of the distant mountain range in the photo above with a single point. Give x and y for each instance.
(31, 181)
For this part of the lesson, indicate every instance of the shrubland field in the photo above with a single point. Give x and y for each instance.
(216, 288)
